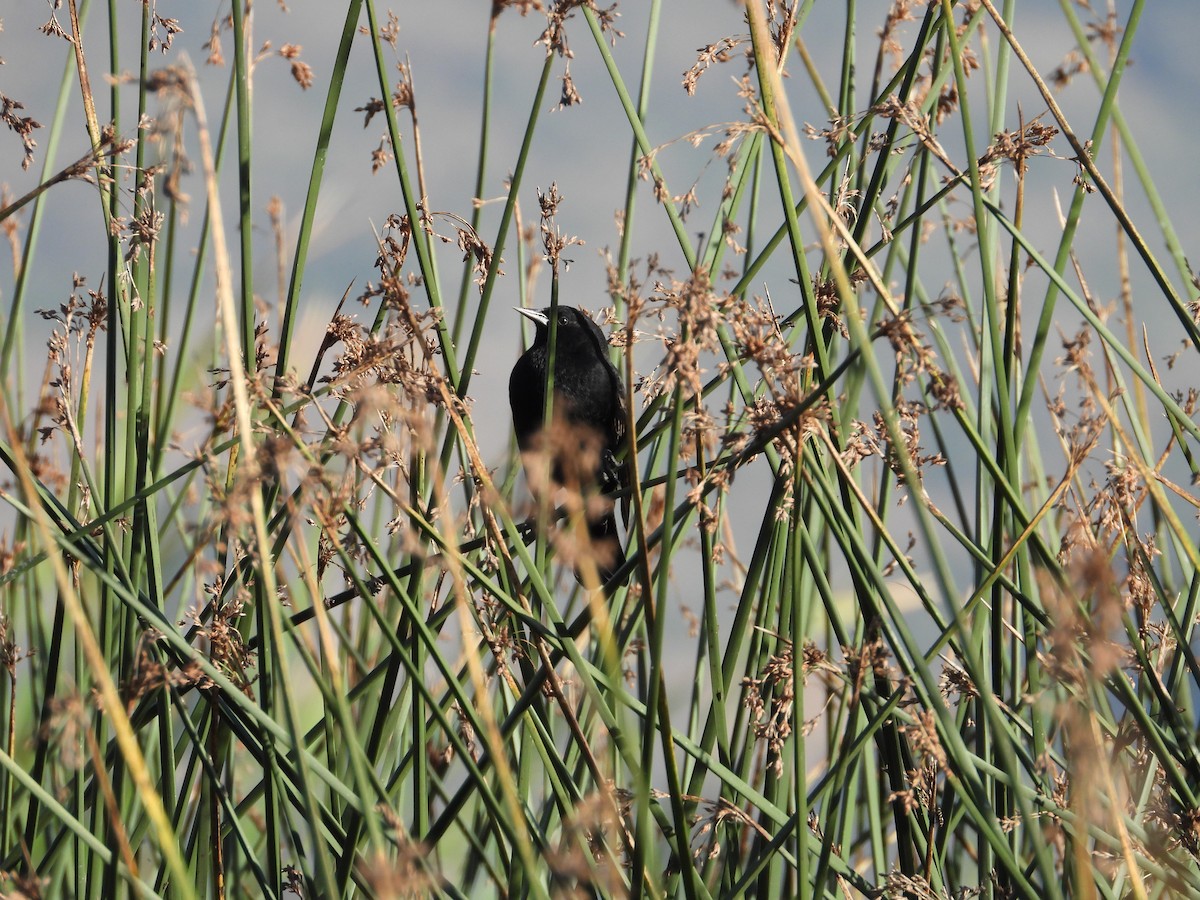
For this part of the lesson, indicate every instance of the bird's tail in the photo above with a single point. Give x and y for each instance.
(606, 545)
(612, 478)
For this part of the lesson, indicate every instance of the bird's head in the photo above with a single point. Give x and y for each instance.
(576, 331)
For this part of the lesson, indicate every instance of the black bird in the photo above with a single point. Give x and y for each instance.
(589, 421)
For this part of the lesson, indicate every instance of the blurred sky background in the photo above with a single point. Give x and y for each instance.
(584, 149)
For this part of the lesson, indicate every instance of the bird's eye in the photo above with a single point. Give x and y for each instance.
(562, 320)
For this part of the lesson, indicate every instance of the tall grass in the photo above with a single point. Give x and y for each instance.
(912, 579)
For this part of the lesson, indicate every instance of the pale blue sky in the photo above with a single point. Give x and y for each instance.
(585, 150)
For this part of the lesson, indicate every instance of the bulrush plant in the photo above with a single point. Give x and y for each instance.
(905, 461)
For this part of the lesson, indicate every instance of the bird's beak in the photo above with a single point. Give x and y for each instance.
(533, 315)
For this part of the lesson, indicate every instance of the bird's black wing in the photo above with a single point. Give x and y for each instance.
(614, 472)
